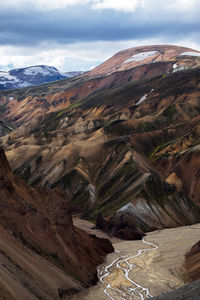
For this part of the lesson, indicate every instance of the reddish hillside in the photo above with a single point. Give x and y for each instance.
(139, 56)
(42, 221)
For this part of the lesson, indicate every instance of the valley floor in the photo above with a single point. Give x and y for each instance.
(160, 270)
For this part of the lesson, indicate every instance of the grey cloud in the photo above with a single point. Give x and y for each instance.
(82, 24)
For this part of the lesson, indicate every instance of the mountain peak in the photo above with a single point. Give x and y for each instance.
(137, 56)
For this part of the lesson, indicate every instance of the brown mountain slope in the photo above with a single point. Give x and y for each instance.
(26, 275)
(43, 223)
(192, 263)
(121, 151)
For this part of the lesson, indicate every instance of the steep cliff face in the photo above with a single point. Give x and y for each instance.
(42, 221)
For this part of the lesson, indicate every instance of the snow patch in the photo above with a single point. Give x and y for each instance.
(6, 77)
(32, 71)
(190, 53)
(179, 68)
(24, 84)
(140, 56)
(127, 208)
(142, 99)
(91, 189)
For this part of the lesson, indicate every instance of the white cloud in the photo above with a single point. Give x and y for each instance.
(42, 4)
(127, 6)
(70, 57)
(182, 5)
(174, 6)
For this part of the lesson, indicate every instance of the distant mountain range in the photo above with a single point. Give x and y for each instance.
(31, 76)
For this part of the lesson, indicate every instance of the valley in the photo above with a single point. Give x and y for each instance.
(110, 156)
(158, 271)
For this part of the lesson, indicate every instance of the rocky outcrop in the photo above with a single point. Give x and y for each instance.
(119, 226)
(154, 205)
(42, 221)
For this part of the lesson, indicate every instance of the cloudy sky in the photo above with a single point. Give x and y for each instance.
(80, 34)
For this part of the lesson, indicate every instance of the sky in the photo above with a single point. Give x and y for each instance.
(77, 35)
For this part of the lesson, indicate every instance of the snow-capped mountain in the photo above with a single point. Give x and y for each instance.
(30, 76)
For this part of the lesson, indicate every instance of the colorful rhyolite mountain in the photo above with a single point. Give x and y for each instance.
(30, 76)
(122, 140)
